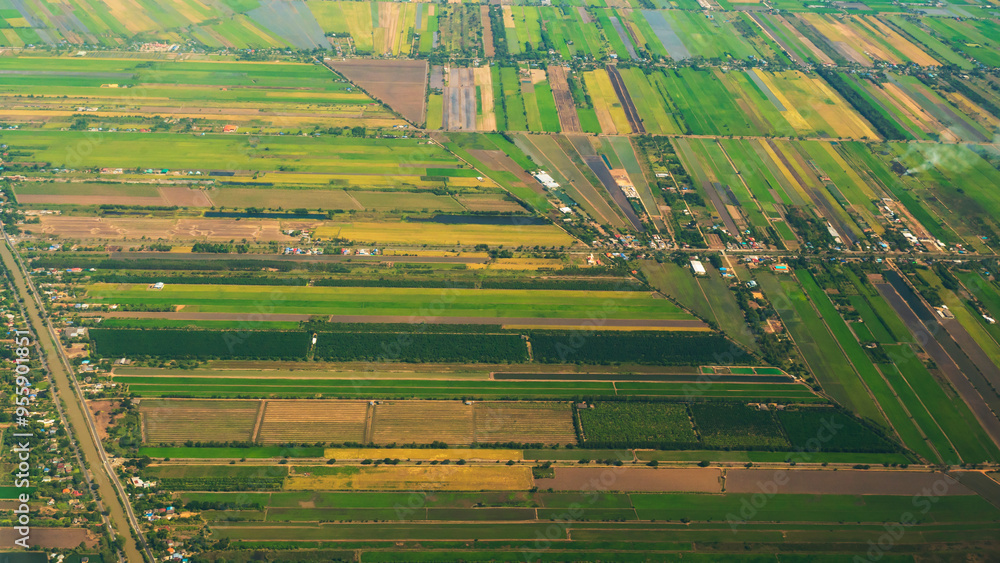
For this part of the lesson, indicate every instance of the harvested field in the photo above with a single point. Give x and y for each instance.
(168, 229)
(313, 421)
(844, 482)
(568, 119)
(546, 423)
(638, 479)
(405, 422)
(266, 198)
(484, 16)
(54, 199)
(171, 421)
(413, 478)
(51, 538)
(185, 197)
(460, 100)
(487, 121)
(80, 193)
(399, 84)
(490, 203)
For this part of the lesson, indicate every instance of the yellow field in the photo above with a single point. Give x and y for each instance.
(519, 264)
(790, 114)
(609, 110)
(416, 478)
(508, 16)
(423, 454)
(813, 107)
(440, 234)
(391, 252)
(484, 80)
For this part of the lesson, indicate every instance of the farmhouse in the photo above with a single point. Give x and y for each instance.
(624, 182)
(546, 180)
(75, 332)
(698, 268)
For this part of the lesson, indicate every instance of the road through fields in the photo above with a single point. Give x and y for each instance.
(101, 471)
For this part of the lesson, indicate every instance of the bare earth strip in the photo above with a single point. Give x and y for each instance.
(484, 15)
(56, 199)
(185, 316)
(400, 84)
(845, 482)
(568, 119)
(639, 479)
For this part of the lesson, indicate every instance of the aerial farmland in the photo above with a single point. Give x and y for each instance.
(571, 280)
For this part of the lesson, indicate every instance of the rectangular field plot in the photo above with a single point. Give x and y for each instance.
(636, 425)
(406, 422)
(546, 423)
(313, 421)
(411, 478)
(391, 301)
(174, 421)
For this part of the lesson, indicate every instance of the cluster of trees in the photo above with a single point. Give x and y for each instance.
(852, 435)
(884, 125)
(201, 280)
(200, 344)
(663, 348)
(421, 347)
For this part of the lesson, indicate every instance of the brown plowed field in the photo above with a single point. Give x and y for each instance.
(307, 421)
(55, 199)
(400, 84)
(484, 15)
(568, 120)
(638, 479)
(842, 482)
(50, 538)
(171, 229)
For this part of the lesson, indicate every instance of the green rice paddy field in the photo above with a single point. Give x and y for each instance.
(180, 385)
(328, 154)
(394, 301)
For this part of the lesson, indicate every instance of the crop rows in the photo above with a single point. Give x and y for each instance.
(726, 426)
(171, 421)
(313, 421)
(544, 423)
(202, 344)
(405, 422)
(664, 348)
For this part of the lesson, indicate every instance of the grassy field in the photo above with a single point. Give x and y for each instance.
(394, 301)
(811, 335)
(172, 384)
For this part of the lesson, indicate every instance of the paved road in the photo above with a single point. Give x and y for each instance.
(523, 321)
(77, 415)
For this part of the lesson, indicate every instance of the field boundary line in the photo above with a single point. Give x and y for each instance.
(261, 408)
